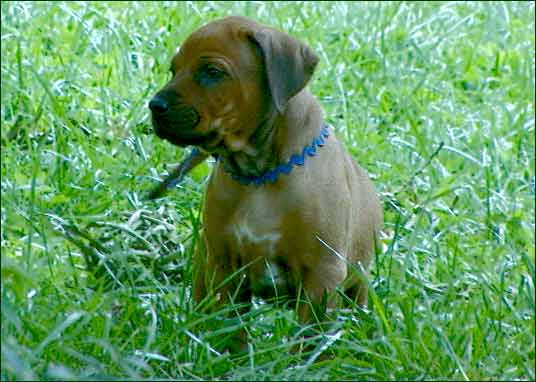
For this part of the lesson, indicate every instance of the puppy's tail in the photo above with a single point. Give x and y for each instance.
(195, 157)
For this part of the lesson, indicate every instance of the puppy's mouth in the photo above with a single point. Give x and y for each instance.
(176, 126)
(183, 139)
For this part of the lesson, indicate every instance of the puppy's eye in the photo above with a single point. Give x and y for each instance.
(209, 75)
(213, 73)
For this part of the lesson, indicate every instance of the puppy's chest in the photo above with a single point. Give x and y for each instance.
(256, 228)
(249, 240)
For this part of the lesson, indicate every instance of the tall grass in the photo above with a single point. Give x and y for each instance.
(435, 99)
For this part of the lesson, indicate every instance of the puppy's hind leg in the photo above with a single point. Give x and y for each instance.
(319, 292)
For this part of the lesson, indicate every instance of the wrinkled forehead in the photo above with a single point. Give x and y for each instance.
(224, 41)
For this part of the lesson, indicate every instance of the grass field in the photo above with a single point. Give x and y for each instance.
(435, 100)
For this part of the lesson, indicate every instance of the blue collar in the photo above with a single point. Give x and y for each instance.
(284, 168)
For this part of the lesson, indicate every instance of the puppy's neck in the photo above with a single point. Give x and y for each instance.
(279, 136)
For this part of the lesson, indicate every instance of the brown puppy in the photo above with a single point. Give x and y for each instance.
(276, 220)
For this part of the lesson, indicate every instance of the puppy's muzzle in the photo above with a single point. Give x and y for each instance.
(175, 121)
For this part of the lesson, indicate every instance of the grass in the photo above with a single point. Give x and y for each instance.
(435, 100)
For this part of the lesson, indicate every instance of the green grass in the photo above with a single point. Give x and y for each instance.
(435, 100)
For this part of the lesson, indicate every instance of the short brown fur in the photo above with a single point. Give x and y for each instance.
(310, 228)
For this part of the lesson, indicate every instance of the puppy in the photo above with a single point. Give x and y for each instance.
(287, 211)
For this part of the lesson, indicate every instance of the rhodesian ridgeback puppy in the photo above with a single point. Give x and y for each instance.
(287, 211)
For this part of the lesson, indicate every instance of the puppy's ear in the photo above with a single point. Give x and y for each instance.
(289, 64)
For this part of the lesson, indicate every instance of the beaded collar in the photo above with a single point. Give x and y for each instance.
(284, 168)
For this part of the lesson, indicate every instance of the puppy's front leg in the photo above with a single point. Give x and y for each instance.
(199, 265)
(214, 275)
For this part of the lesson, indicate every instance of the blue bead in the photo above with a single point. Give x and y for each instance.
(309, 150)
(285, 168)
(297, 160)
(271, 176)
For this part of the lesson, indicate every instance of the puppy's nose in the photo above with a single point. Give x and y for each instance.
(158, 105)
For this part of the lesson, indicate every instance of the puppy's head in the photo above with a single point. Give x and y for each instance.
(226, 78)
